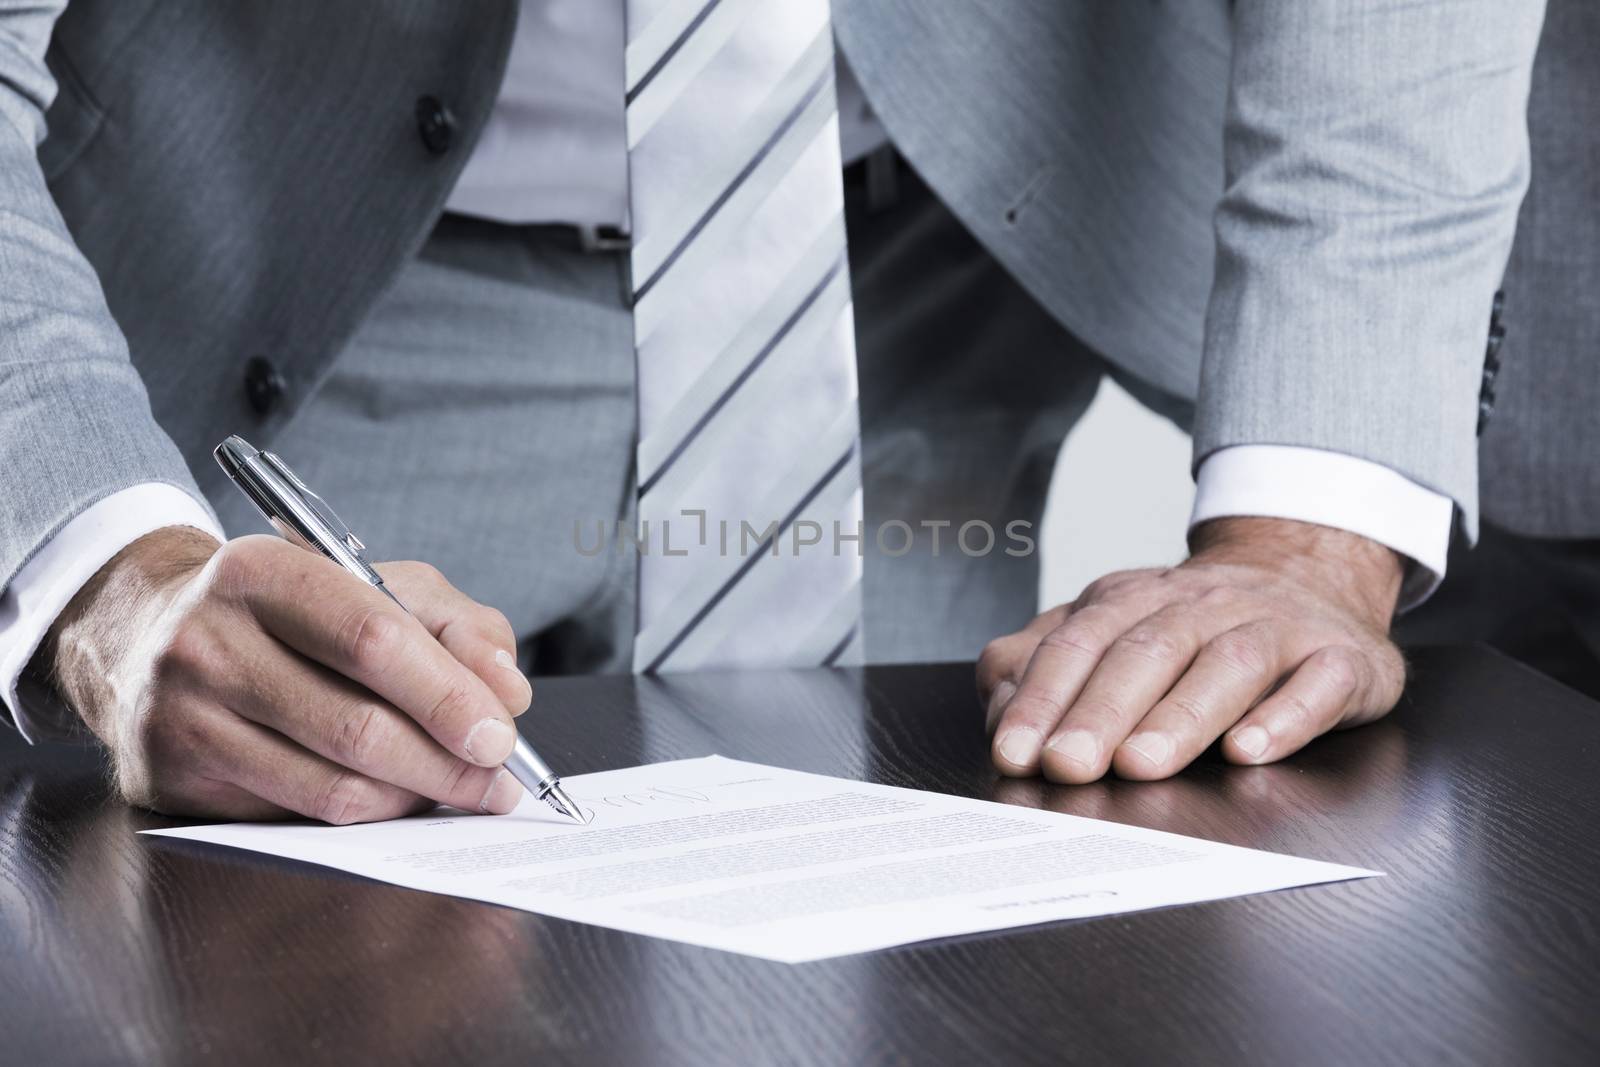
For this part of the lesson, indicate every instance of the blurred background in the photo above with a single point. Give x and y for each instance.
(1102, 517)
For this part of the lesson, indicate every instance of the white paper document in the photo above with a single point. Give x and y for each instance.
(783, 865)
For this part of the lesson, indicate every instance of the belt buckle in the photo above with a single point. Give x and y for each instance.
(604, 239)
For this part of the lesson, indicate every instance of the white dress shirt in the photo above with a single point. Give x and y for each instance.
(1332, 489)
(554, 151)
(55, 573)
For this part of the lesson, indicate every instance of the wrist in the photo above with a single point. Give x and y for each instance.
(85, 651)
(1359, 572)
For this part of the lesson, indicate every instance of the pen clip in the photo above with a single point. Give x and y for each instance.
(335, 526)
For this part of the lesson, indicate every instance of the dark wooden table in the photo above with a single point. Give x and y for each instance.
(1479, 797)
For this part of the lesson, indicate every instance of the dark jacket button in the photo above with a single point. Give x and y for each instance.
(263, 385)
(435, 123)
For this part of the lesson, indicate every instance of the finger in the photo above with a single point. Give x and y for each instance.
(344, 723)
(176, 760)
(208, 799)
(317, 609)
(1055, 673)
(1227, 678)
(478, 636)
(1136, 671)
(1003, 660)
(280, 772)
(1335, 686)
(1044, 622)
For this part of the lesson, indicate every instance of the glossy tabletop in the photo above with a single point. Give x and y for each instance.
(1479, 797)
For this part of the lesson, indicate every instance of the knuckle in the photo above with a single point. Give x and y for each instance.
(1190, 710)
(237, 565)
(454, 705)
(168, 743)
(995, 667)
(1218, 600)
(367, 640)
(1340, 670)
(185, 653)
(1074, 639)
(232, 563)
(495, 623)
(1241, 652)
(343, 799)
(997, 658)
(1031, 707)
(1096, 712)
(362, 736)
(1097, 589)
(166, 758)
(1110, 585)
(1154, 643)
(1159, 583)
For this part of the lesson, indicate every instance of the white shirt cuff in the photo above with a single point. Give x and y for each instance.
(40, 591)
(1332, 489)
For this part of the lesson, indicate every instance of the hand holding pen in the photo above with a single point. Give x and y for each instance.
(255, 679)
(305, 519)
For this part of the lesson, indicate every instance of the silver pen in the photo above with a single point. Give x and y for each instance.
(303, 517)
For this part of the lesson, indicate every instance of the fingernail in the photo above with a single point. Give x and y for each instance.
(1156, 748)
(1020, 746)
(502, 796)
(506, 659)
(1077, 746)
(1251, 740)
(490, 742)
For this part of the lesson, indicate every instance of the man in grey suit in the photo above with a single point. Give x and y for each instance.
(272, 219)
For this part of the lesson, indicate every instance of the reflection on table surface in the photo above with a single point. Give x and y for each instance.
(1476, 798)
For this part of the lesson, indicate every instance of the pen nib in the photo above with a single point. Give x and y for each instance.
(557, 798)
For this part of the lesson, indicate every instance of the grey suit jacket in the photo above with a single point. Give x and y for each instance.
(226, 187)
(1369, 159)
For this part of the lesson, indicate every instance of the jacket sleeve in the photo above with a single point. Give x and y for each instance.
(75, 421)
(1377, 155)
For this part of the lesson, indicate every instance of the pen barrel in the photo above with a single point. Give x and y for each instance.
(526, 767)
(304, 518)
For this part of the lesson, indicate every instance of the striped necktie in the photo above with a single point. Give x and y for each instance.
(749, 480)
